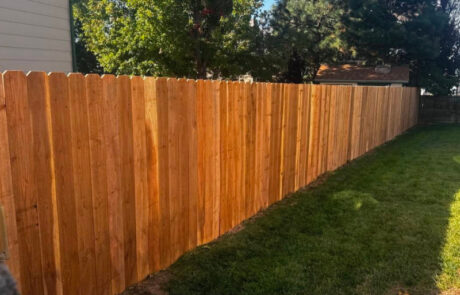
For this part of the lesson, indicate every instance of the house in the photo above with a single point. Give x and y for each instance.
(360, 75)
(35, 35)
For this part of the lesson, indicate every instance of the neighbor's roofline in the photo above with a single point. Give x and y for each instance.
(360, 81)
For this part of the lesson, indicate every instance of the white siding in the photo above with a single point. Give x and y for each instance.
(35, 35)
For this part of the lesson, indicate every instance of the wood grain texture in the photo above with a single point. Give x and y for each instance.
(82, 183)
(262, 154)
(240, 139)
(6, 190)
(346, 124)
(391, 111)
(225, 214)
(162, 96)
(200, 111)
(191, 197)
(98, 152)
(208, 160)
(110, 179)
(151, 133)
(250, 158)
(112, 146)
(140, 177)
(178, 165)
(214, 168)
(259, 108)
(125, 99)
(334, 129)
(266, 113)
(356, 114)
(65, 181)
(39, 100)
(275, 143)
(289, 138)
(312, 172)
(325, 116)
(20, 134)
(232, 147)
(304, 130)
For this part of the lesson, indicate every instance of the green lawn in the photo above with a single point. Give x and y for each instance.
(388, 223)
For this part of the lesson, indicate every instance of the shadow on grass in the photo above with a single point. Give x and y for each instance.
(376, 226)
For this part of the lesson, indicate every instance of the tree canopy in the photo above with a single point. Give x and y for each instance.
(170, 37)
(302, 34)
(420, 33)
(228, 38)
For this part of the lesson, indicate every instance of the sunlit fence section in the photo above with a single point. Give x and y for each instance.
(107, 179)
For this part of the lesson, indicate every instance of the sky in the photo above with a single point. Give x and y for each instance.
(268, 4)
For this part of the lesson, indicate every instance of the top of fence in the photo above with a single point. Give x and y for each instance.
(441, 97)
(113, 76)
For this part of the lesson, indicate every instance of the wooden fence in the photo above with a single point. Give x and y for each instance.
(105, 180)
(440, 109)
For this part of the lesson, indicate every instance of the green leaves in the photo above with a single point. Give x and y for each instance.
(420, 33)
(304, 34)
(192, 38)
(225, 38)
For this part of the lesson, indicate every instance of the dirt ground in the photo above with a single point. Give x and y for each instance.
(152, 285)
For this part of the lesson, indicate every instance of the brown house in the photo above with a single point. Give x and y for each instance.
(361, 75)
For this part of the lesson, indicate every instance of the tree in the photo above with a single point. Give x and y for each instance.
(192, 38)
(444, 71)
(421, 33)
(86, 61)
(302, 34)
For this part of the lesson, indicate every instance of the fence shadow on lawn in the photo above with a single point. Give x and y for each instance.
(376, 226)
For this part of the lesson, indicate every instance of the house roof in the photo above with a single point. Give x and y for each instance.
(360, 74)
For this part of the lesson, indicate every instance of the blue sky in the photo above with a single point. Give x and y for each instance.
(268, 4)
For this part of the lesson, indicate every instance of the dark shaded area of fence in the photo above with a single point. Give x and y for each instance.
(437, 109)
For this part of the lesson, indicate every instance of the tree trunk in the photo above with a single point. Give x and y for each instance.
(201, 67)
(197, 21)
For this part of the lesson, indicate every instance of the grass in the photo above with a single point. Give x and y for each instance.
(388, 223)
